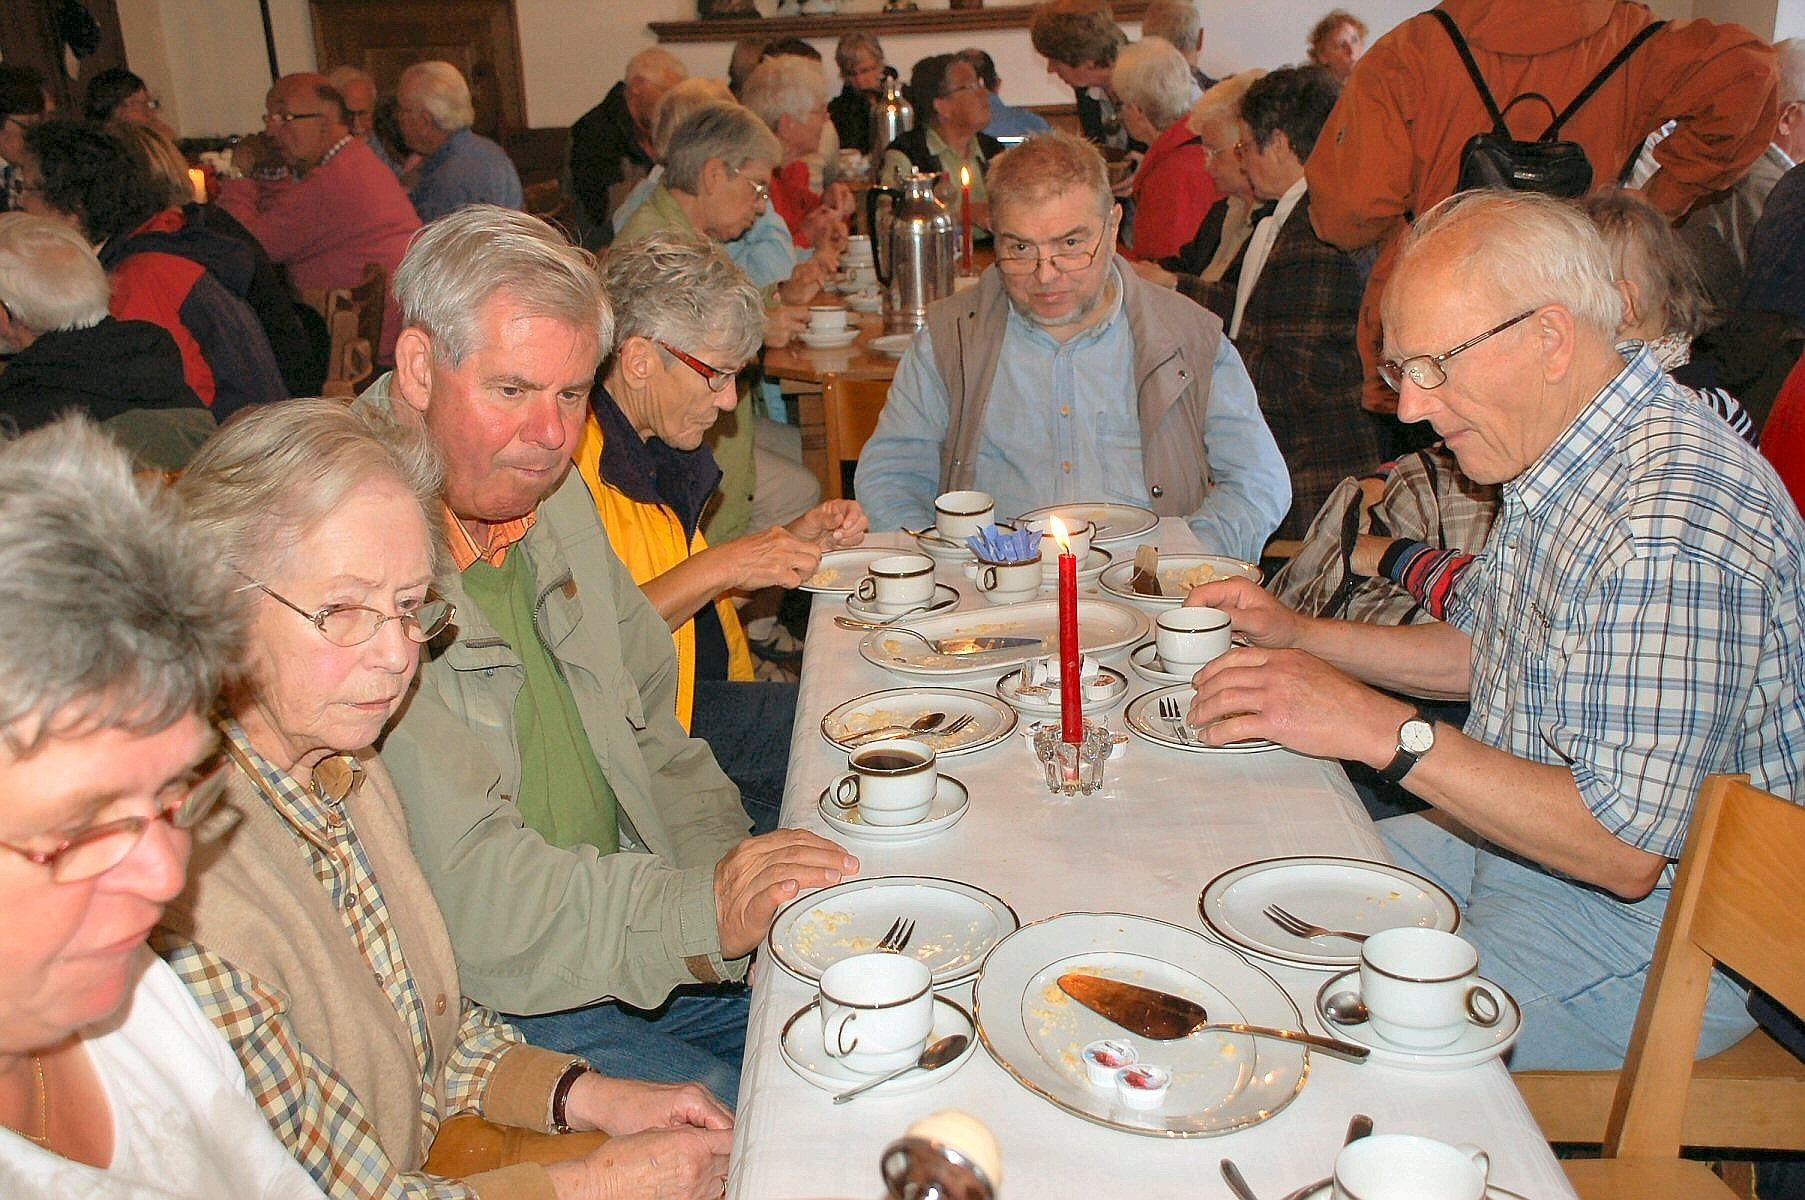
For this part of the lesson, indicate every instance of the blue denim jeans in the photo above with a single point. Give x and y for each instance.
(747, 725)
(698, 1034)
(1574, 956)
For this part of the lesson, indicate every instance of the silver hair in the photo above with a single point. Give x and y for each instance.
(851, 46)
(729, 132)
(1525, 250)
(1220, 107)
(1154, 77)
(459, 261)
(1789, 56)
(682, 288)
(49, 276)
(1175, 21)
(343, 77)
(440, 89)
(115, 613)
(684, 98)
(784, 86)
(269, 478)
(655, 64)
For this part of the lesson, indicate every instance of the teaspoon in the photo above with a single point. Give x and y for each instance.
(936, 1055)
(1346, 1008)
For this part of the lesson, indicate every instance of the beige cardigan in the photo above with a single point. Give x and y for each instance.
(253, 900)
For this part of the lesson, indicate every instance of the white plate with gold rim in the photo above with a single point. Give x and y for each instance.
(1174, 571)
(1143, 719)
(1221, 1081)
(991, 719)
(1113, 522)
(956, 924)
(839, 571)
(1103, 626)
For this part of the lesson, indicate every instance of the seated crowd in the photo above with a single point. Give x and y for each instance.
(409, 772)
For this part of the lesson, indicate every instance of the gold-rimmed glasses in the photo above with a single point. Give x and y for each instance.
(1021, 258)
(1425, 370)
(350, 625)
(98, 849)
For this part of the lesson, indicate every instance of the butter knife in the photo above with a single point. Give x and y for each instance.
(1164, 1017)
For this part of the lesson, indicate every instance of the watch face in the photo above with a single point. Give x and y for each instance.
(1416, 735)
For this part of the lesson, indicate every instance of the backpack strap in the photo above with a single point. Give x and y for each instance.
(1598, 80)
(1466, 56)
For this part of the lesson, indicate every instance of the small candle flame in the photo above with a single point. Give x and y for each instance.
(1056, 527)
(197, 184)
(964, 176)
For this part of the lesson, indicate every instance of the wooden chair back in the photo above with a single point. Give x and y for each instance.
(851, 406)
(1739, 900)
(354, 320)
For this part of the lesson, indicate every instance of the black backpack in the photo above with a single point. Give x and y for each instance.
(1548, 164)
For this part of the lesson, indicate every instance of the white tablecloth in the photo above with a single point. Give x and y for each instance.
(1166, 823)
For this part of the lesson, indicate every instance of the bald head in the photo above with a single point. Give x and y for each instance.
(650, 74)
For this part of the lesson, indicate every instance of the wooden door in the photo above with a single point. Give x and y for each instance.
(384, 37)
(29, 37)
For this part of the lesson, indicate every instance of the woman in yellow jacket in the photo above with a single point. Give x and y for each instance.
(686, 321)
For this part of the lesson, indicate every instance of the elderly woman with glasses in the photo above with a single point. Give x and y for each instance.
(314, 942)
(686, 321)
(115, 628)
(1172, 189)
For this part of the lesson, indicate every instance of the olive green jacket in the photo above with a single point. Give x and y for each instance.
(536, 928)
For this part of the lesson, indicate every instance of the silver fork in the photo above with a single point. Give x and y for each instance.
(901, 930)
(1298, 927)
(959, 722)
(1173, 715)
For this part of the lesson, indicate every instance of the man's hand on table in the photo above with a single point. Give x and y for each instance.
(686, 1163)
(623, 1106)
(832, 524)
(782, 324)
(1298, 701)
(762, 874)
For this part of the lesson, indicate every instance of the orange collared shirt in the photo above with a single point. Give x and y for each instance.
(502, 538)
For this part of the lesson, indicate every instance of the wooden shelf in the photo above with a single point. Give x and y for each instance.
(927, 20)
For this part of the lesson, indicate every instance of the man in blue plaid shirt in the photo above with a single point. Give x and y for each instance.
(1633, 624)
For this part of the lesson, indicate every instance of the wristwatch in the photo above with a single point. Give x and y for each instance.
(1416, 737)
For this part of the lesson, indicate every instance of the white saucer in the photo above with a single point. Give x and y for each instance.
(892, 344)
(943, 549)
(815, 340)
(865, 302)
(1144, 658)
(802, 1052)
(1323, 1189)
(1475, 1046)
(1094, 564)
(945, 596)
(1048, 705)
(951, 799)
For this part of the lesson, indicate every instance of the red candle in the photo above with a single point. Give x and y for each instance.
(1071, 695)
(965, 220)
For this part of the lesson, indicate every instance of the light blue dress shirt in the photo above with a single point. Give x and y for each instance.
(1006, 120)
(467, 169)
(1062, 426)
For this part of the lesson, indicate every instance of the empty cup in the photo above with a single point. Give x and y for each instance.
(1422, 987)
(826, 318)
(898, 581)
(1395, 1166)
(877, 1011)
(1187, 638)
(958, 515)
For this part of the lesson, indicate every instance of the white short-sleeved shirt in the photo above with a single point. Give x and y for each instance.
(184, 1124)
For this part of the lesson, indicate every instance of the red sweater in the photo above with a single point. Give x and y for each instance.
(1172, 192)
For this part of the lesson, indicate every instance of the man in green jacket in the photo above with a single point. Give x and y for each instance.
(591, 859)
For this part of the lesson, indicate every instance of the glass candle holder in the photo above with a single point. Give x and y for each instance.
(1072, 768)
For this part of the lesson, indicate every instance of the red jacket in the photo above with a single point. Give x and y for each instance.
(1783, 437)
(1172, 192)
(1391, 147)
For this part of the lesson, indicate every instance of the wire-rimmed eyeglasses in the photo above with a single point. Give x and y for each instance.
(98, 849)
(1022, 258)
(1425, 370)
(349, 625)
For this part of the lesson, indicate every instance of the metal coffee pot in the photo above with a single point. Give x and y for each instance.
(913, 244)
(891, 116)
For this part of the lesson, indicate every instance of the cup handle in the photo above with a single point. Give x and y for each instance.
(836, 791)
(987, 579)
(867, 589)
(834, 1034)
(1483, 1008)
(1480, 1158)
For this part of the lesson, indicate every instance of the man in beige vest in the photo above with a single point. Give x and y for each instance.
(1064, 377)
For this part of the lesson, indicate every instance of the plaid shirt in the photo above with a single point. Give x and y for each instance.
(313, 1111)
(1636, 614)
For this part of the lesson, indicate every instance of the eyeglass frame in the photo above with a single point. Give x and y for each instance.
(717, 379)
(1053, 259)
(1392, 370)
(760, 190)
(318, 618)
(291, 118)
(199, 796)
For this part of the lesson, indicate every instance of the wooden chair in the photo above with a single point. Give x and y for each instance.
(851, 408)
(1739, 900)
(354, 319)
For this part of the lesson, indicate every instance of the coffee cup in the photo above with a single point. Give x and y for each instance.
(877, 1011)
(892, 782)
(858, 249)
(898, 581)
(1396, 1166)
(1187, 638)
(958, 515)
(826, 318)
(1078, 537)
(1008, 583)
(1421, 987)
